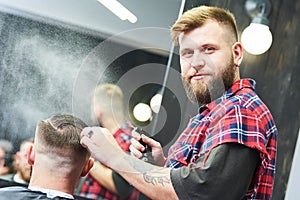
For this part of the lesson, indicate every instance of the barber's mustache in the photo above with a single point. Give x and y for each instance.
(189, 75)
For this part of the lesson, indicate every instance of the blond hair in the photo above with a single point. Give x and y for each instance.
(197, 16)
(109, 97)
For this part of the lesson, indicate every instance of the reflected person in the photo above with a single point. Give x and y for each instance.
(107, 110)
(6, 160)
(22, 172)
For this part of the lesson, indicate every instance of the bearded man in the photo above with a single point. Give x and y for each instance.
(228, 150)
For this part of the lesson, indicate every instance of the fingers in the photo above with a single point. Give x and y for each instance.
(136, 148)
(87, 143)
(90, 131)
(135, 135)
(86, 134)
(90, 136)
(135, 152)
(151, 142)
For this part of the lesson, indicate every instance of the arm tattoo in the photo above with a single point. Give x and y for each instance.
(156, 179)
(150, 173)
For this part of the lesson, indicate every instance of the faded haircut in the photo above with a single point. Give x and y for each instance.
(197, 16)
(60, 134)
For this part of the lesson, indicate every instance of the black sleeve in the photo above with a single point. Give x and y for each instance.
(226, 175)
(123, 188)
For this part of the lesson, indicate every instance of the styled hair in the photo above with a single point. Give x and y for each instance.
(60, 135)
(197, 16)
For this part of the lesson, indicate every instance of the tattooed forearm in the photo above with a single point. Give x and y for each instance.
(151, 174)
(135, 164)
(156, 179)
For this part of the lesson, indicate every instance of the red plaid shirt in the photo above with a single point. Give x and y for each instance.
(238, 116)
(91, 187)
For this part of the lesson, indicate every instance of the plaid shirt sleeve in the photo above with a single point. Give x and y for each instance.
(253, 127)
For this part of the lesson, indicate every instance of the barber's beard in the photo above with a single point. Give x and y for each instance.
(202, 93)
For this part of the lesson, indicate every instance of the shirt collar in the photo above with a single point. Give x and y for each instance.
(18, 179)
(52, 193)
(236, 86)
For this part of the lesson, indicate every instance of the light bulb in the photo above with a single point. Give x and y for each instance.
(155, 102)
(256, 38)
(142, 112)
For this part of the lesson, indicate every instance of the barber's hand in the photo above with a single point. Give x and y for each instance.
(101, 143)
(136, 148)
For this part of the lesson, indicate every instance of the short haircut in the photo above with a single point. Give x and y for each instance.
(197, 16)
(60, 135)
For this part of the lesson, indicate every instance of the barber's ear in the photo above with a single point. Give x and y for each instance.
(237, 50)
(30, 155)
(86, 168)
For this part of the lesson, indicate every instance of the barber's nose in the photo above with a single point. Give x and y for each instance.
(198, 60)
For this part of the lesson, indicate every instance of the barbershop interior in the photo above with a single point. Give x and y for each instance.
(55, 52)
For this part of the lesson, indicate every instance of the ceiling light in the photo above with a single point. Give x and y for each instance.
(119, 10)
(257, 37)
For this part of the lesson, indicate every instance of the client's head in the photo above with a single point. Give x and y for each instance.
(57, 149)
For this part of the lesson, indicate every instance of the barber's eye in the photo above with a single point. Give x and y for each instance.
(209, 50)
